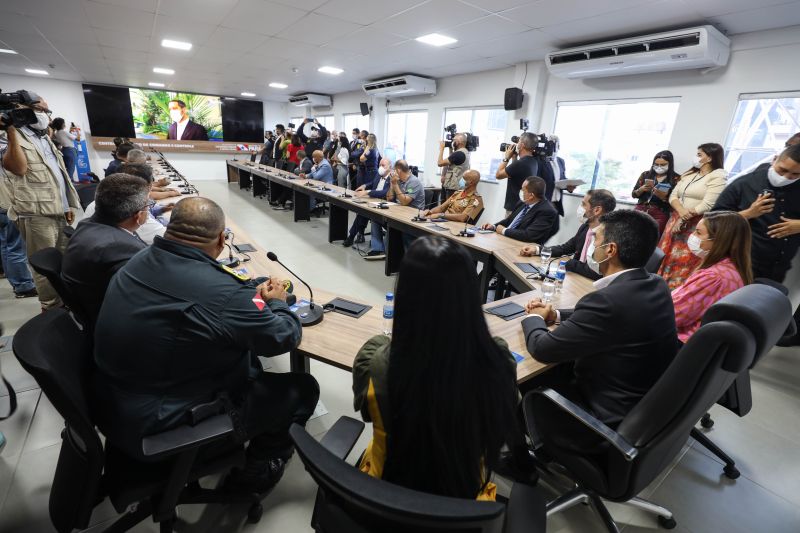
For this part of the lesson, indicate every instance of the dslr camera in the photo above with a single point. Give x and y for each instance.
(472, 140)
(10, 115)
(524, 124)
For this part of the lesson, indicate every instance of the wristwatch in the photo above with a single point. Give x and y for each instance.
(506, 160)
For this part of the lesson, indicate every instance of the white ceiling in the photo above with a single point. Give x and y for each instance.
(242, 45)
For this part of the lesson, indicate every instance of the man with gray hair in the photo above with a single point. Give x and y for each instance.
(517, 170)
(136, 157)
(102, 244)
(454, 165)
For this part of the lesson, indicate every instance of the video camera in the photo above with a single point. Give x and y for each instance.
(524, 124)
(414, 170)
(472, 140)
(10, 115)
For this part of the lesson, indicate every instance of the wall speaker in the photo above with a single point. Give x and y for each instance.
(513, 99)
(364, 109)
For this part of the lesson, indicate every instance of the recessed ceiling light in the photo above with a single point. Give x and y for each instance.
(36, 71)
(249, 95)
(436, 40)
(178, 45)
(155, 84)
(276, 85)
(7, 51)
(160, 70)
(330, 70)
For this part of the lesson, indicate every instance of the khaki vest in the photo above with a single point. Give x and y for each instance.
(37, 192)
(454, 172)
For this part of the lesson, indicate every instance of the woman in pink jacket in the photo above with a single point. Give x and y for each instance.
(722, 242)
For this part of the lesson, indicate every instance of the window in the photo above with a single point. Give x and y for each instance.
(609, 144)
(761, 126)
(355, 120)
(327, 121)
(405, 137)
(296, 121)
(489, 125)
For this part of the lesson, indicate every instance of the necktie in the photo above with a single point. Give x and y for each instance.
(519, 217)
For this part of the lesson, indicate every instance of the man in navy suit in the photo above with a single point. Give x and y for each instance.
(182, 128)
(534, 219)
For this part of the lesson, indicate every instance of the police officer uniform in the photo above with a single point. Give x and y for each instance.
(460, 202)
(177, 329)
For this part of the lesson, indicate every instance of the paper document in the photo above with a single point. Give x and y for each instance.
(563, 184)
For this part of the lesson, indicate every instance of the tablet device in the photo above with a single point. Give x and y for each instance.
(346, 307)
(508, 311)
(437, 227)
(244, 248)
(528, 268)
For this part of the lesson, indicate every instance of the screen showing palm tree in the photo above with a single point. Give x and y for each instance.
(176, 115)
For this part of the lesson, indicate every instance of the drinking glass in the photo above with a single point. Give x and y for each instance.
(545, 255)
(548, 290)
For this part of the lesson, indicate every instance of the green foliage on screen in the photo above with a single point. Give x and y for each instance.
(151, 112)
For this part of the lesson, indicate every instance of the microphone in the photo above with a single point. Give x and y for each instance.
(231, 262)
(464, 232)
(309, 314)
(419, 217)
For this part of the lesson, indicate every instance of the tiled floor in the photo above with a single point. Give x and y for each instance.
(766, 443)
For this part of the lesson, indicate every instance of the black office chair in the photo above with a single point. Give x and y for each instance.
(350, 501)
(86, 193)
(280, 164)
(654, 263)
(618, 465)
(739, 396)
(59, 356)
(289, 166)
(47, 262)
(474, 220)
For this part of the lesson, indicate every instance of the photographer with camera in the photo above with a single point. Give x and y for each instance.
(454, 166)
(41, 194)
(517, 165)
(312, 135)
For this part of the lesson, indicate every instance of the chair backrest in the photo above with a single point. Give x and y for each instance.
(47, 262)
(86, 193)
(349, 500)
(732, 332)
(280, 164)
(59, 357)
(289, 166)
(474, 220)
(654, 263)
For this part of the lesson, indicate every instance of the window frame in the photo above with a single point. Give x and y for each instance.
(349, 129)
(484, 179)
(427, 113)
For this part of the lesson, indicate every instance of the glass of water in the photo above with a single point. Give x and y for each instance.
(545, 254)
(548, 290)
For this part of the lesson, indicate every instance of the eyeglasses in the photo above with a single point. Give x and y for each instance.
(148, 206)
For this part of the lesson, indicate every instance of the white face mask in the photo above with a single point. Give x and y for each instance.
(593, 263)
(775, 179)
(381, 171)
(42, 121)
(696, 163)
(658, 169)
(581, 212)
(175, 115)
(693, 243)
(522, 195)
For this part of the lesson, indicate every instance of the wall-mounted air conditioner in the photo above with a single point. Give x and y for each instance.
(310, 99)
(405, 85)
(693, 48)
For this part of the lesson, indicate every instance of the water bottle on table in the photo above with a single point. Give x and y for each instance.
(388, 314)
(561, 274)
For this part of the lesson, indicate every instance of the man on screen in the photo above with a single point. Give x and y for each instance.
(182, 127)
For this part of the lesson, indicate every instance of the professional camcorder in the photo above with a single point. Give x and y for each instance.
(10, 115)
(524, 124)
(472, 140)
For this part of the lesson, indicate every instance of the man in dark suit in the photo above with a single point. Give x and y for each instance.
(182, 128)
(618, 340)
(104, 243)
(595, 203)
(534, 219)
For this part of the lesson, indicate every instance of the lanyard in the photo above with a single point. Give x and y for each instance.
(697, 177)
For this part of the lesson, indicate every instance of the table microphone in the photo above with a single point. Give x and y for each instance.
(309, 314)
(464, 232)
(419, 217)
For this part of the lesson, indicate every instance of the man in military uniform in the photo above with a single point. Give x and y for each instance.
(42, 195)
(461, 206)
(454, 165)
(177, 329)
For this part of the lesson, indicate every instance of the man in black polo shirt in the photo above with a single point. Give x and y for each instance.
(774, 217)
(517, 170)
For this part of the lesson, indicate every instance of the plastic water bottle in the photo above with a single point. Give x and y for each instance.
(561, 273)
(388, 314)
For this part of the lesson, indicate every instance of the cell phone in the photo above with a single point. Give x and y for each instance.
(649, 181)
(767, 192)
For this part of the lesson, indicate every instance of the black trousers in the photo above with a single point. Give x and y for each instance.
(272, 404)
(359, 226)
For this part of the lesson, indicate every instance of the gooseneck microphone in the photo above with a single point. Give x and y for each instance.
(309, 314)
(419, 217)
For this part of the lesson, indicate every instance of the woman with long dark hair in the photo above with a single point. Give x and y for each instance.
(441, 393)
(653, 187)
(64, 140)
(722, 242)
(695, 193)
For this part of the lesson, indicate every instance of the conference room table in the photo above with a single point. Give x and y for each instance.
(338, 338)
(398, 220)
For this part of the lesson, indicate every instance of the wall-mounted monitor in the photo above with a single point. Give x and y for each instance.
(173, 121)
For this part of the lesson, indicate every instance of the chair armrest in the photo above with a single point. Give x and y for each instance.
(627, 450)
(526, 511)
(184, 437)
(341, 438)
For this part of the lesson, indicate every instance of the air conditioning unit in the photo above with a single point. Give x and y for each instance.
(701, 47)
(405, 85)
(311, 99)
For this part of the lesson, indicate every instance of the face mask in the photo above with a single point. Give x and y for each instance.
(462, 184)
(381, 171)
(693, 243)
(42, 121)
(175, 115)
(581, 212)
(593, 263)
(658, 169)
(775, 179)
(696, 163)
(522, 195)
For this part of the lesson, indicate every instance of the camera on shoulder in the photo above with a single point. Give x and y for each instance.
(473, 141)
(10, 115)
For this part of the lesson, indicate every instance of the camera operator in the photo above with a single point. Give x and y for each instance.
(312, 135)
(42, 196)
(455, 165)
(518, 164)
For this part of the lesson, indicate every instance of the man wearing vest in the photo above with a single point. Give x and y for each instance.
(455, 165)
(42, 197)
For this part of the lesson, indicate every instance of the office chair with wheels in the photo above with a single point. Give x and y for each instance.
(738, 398)
(47, 262)
(617, 465)
(654, 263)
(350, 500)
(59, 356)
